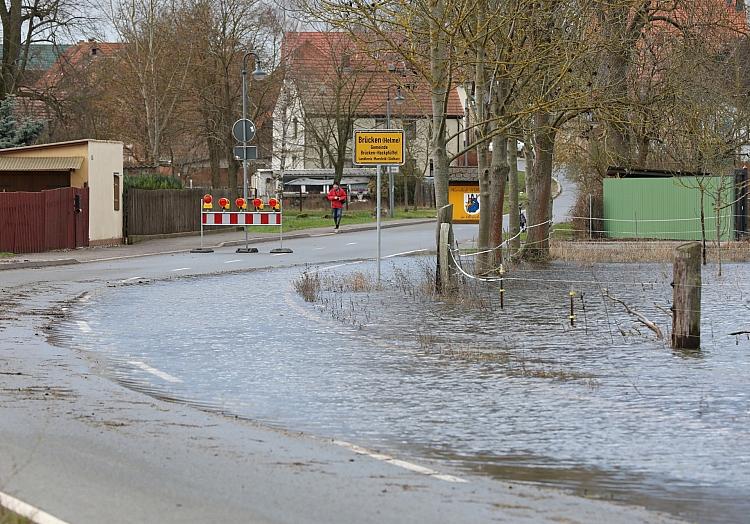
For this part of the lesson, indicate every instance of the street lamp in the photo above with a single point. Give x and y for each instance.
(258, 75)
(399, 98)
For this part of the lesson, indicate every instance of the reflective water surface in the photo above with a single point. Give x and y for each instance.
(602, 407)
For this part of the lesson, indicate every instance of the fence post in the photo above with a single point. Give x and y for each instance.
(686, 307)
(444, 254)
(444, 241)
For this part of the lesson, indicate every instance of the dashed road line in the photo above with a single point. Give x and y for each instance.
(340, 265)
(416, 468)
(156, 372)
(129, 279)
(180, 269)
(351, 243)
(83, 326)
(35, 515)
(233, 261)
(405, 253)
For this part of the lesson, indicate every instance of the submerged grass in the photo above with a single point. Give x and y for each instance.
(352, 298)
(308, 286)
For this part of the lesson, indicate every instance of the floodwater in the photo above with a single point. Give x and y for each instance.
(601, 408)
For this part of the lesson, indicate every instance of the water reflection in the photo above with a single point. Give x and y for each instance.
(603, 407)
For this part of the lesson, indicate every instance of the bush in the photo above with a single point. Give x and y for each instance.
(152, 182)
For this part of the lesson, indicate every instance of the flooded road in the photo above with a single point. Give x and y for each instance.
(601, 408)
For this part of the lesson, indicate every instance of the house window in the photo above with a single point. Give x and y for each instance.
(117, 191)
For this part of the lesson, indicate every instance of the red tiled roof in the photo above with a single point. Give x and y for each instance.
(318, 62)
(76, 57)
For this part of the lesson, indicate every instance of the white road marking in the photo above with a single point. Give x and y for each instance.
(351, 243)
(180, 269)
(83, 326)
(397, 462)
(233, 261)
(84, 298)
(35, 515)
(318, 248)
(405, 253)
(340, 265)
(156, 372)
(129, 279)
(278, 254)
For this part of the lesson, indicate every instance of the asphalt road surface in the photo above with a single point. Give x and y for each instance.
(83, 449)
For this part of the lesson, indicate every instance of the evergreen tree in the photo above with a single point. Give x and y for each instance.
(15, 132)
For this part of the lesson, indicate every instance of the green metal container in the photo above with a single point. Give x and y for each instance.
(668, 208)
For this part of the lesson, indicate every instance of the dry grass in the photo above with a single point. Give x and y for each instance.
(356, 282)
(640, 251)
(308, 285)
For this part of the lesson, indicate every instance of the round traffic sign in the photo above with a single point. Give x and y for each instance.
(243, 130)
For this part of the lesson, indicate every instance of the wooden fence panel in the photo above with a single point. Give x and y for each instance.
(58, 233)
(22, 222)
(34, 222)
(164, 211)
(80, 221)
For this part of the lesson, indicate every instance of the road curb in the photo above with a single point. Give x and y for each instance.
(38, 264)
(228, 243)
(350, 229)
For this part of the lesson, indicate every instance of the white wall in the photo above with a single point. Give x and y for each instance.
(288, 148)
(104, 161)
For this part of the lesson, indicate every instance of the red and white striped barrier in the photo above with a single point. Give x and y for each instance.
(240, 218)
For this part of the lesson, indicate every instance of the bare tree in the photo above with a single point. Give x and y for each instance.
(25, 23)
(152, 70)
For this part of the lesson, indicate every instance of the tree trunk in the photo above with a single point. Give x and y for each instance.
(418, 192)
(440, 89)
(499, 173)
(12, 24)
(540, 184)
(214, 162)
(406, 192)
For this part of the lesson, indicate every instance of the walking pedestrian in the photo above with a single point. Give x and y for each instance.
(522, 219)
(337, 196)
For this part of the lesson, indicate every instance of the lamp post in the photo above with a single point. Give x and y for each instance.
(258, 75)
(399, 98)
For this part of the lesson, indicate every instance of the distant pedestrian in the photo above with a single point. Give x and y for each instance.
(337, 196)
(522, 219)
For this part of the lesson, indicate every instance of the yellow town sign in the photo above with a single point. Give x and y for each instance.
(379, 147)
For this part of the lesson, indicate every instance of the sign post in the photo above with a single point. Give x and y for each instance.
(243, 131)
(380, 148)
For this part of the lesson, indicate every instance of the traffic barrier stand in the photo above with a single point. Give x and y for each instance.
(258, 217)
(276, 204)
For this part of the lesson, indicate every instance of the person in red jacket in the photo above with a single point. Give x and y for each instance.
(337, 196)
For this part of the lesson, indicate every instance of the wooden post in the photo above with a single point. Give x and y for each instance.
(444, 216)
(686, 307)
(445, 258)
